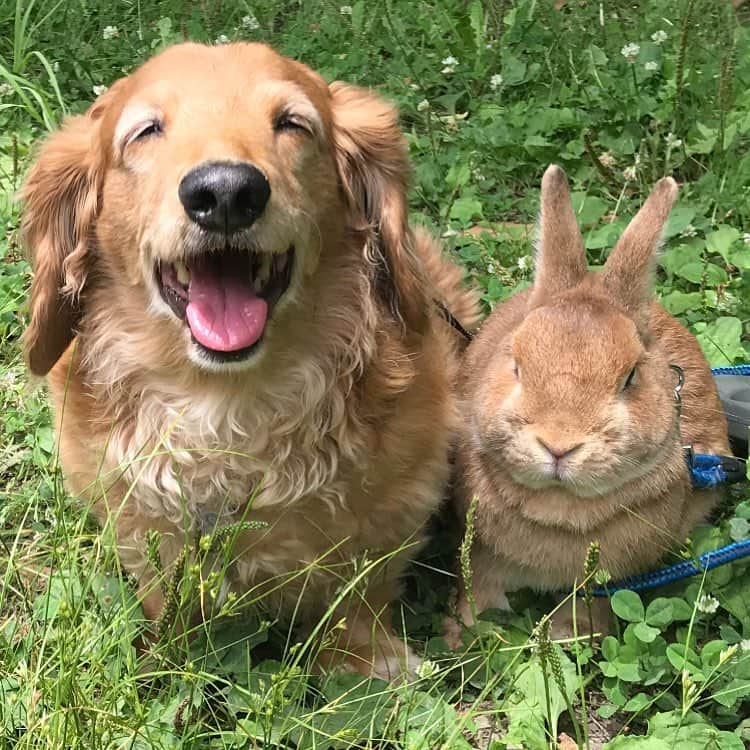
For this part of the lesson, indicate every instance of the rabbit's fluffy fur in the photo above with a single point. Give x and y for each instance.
(571, 433)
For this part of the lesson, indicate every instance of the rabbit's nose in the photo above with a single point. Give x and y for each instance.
(558, 451)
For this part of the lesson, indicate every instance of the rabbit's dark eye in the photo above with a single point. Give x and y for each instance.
(516, 370)
(630, 380)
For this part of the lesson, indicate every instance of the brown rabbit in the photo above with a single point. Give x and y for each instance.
(571, 434)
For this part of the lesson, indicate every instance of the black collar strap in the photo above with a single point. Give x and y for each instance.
(450, 318)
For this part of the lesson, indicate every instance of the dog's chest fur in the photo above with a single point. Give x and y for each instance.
(297, 458)
(320, 446)
(189, 458)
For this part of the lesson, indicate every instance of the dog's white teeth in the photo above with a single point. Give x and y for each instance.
(279, 262)
(183, 273)
(263, 274)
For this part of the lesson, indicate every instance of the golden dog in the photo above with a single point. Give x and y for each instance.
(233, 309)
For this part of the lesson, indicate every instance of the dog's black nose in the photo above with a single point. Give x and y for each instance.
(224, 196)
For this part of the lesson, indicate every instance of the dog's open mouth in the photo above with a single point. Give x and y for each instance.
(227, 297)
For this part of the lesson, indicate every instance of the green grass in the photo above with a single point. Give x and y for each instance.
(490, 93)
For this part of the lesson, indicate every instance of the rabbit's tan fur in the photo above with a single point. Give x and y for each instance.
(574, 338)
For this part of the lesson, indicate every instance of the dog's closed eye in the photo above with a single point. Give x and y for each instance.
(145, 130)
(291, 122)
(136, 125)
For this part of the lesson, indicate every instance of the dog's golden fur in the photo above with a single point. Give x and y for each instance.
(339, 427)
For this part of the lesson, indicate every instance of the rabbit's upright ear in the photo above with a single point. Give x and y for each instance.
(560, 257)
(628, 273)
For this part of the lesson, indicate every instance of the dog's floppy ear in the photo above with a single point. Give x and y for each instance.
(60, 196)
(373, 165)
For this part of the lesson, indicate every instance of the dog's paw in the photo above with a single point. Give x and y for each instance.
(397, 666)
(452, 633)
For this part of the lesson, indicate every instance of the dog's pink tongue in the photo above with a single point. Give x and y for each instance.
(224, 312)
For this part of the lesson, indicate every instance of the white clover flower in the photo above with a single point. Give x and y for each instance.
(745, 645)
(492, 268)
(672, 141)
(651, 66)
(345, 10)
(727, 653)
(630, 52)
(659, 37)
(221, 39)
(689, 231)
(453, 121)
(496, 82)
(707, 604)
(606, 159)
(250, 23)
(450, 232)
(427, 669)
(477, 175)
(99, 90)
(110, 32)
(450, 63)
(746, 238)
(414, 86)
(5, 89)
(55, 67)
(629, 173)
(423, 106)
(728, 302)
(525, 262)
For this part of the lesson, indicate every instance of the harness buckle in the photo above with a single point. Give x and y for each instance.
(708, 470)
(735, 468)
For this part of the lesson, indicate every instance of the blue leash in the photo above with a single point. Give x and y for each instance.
(705, 562)
(706, 471)
(734, 370)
